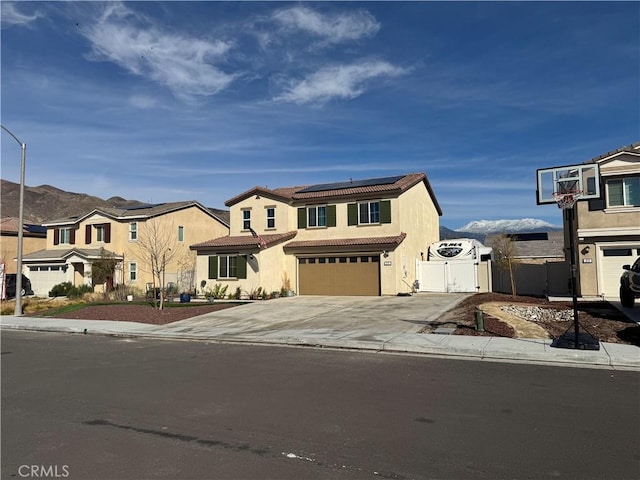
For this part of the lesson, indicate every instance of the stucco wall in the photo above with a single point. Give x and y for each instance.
(9, 251)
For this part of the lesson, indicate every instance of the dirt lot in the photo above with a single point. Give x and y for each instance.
(142, 313)
(598, 318)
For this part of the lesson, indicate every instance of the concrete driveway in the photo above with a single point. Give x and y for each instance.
(320, 315)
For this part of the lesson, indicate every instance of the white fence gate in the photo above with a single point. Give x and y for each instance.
(457, 276)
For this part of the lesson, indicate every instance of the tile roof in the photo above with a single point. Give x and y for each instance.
(9, 225)
(340, 190)
(243, 241)
(390, 241)
(57, 255)
(633, 148)
(141, 211)
(553, 247)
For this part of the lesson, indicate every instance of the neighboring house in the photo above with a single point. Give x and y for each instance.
(607, 230)
(351, 238)
(34, 238)
(540, 267)
(534, 247)
(73, 244)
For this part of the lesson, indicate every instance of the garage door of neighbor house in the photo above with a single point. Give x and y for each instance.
(339, 275)
(611, 261)
(43, 278)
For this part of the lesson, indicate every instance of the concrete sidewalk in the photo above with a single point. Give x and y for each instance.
(611, 355)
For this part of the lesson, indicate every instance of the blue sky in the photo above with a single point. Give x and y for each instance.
(168, 101)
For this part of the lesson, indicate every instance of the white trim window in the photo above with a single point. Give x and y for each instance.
(368, 213)
(271, 217)
(65, 236)
(100, 232)
(623, 192)
(180, 233)
(133, 271)
(227, 266)
(317, 216)
(133, 231)
(246, 219)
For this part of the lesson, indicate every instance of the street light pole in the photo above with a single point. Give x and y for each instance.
(23, 148)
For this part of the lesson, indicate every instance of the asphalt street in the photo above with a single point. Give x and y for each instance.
(99, 407)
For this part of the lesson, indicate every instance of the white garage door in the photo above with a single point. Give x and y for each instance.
(611, 261)
(43, 278)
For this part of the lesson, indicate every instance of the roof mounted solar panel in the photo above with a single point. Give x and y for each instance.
(370, 182)
(140, 207)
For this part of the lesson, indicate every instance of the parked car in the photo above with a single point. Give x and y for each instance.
(630, 284)
(10, 285)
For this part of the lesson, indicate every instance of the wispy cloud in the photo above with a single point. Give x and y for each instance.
(343, 81)
(331, 28)
(181, 63)
(11, 15)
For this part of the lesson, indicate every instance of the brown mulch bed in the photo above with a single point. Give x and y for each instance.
(142, 313)
(600, 319)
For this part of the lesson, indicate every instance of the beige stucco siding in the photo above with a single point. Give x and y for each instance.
(9, 249)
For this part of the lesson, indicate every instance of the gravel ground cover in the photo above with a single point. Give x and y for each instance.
(601, 319)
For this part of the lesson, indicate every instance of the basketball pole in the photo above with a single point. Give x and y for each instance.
(574, 268)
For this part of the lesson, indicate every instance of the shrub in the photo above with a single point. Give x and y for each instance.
(66, 289)
(218, 291)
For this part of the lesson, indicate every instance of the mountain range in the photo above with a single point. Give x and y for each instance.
(46, 203)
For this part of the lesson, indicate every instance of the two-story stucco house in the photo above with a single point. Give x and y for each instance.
(75, 243)
(608, 229)
(350, 238)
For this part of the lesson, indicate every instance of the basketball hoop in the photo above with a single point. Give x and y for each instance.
(566, 200)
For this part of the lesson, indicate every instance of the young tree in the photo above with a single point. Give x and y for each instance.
(104, 268)
(504, 254)
(158, 245)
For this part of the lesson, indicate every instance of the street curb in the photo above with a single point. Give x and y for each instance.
(494, 349)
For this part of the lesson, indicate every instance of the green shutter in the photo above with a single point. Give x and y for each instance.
(385, 211)
(352, 214)
(302, 217)
(213, 267)
(241, 266)
(331, 215)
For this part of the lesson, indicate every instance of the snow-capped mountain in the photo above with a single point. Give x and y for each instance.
(509, 226)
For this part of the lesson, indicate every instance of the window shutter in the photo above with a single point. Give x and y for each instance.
(72, 236)
(242, 266)
(213, 266)
(352, 214)
(302, 217)
(56, 236)
(331, 215)
(107, 233)
(385, 211)
(87, 234)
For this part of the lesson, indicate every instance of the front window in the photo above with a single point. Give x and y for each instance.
(246, 219)
(65, 235)
(133, 231)
(369, 212)
(271, 217)
(133, 271)
(100, 233)
(228, 266)
(317, 216)
(624, 192)
(181, 234)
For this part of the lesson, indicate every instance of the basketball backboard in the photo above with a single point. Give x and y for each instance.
(567, 179)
